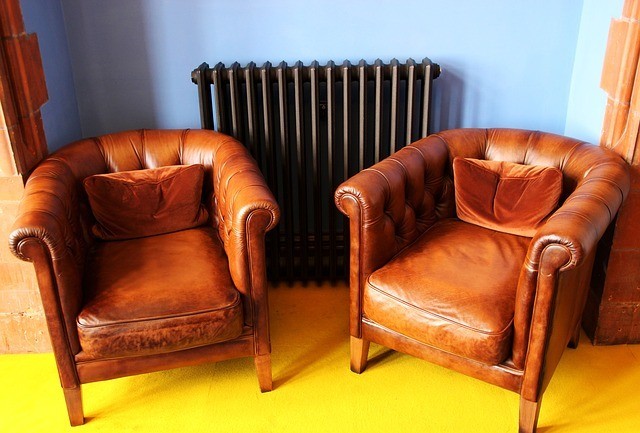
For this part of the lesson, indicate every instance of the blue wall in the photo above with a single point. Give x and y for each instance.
(60, 114)
(587, 101)
(121, 64)
(505, 63)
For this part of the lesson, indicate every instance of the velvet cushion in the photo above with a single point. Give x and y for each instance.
(139, 203)
(504, 196)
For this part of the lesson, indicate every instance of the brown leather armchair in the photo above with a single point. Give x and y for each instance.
(125, 307)
(492, 305)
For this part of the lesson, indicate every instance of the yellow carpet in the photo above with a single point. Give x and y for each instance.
(595, 389)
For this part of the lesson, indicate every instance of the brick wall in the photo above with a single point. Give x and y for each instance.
(613, 311)
(22, 323)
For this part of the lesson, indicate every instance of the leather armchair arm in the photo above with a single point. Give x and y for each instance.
(49, 216)
(586, 213)
(573, 230)
(246, 210)
(389, 205)
(553, 283)
(578, 223)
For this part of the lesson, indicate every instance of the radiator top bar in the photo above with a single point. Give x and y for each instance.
(321, 70)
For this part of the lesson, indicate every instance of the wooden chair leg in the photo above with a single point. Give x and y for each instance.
(263, 368)
(575, 338)
(359, 353)
(529, 411)
(73, 398)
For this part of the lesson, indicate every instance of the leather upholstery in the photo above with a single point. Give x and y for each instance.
(220, 289)
(399, 210)
(423, 294)
(140, 299)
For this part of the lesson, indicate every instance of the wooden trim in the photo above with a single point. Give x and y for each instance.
(105, 369)
(502, 375)
(7, 163)
(22, 92)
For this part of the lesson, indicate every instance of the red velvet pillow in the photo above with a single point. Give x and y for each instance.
(503, 196)
(139, 203)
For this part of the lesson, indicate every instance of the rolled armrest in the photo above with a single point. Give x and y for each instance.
(49, 213)
(583, 218)
(389, 205)
(246, 209)
(44, 212)
(40, 225)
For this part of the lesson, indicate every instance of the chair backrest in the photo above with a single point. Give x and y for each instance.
(578, 161)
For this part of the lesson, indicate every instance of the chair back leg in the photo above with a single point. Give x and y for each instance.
(575, 337)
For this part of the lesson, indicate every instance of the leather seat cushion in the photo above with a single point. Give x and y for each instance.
(453, 288)
(158, 294)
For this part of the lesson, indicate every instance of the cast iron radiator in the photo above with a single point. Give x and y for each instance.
(310, 127)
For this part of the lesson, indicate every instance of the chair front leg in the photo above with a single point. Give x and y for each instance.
(529, 411)
(73, 399)
(263, 368)
(359, 354)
